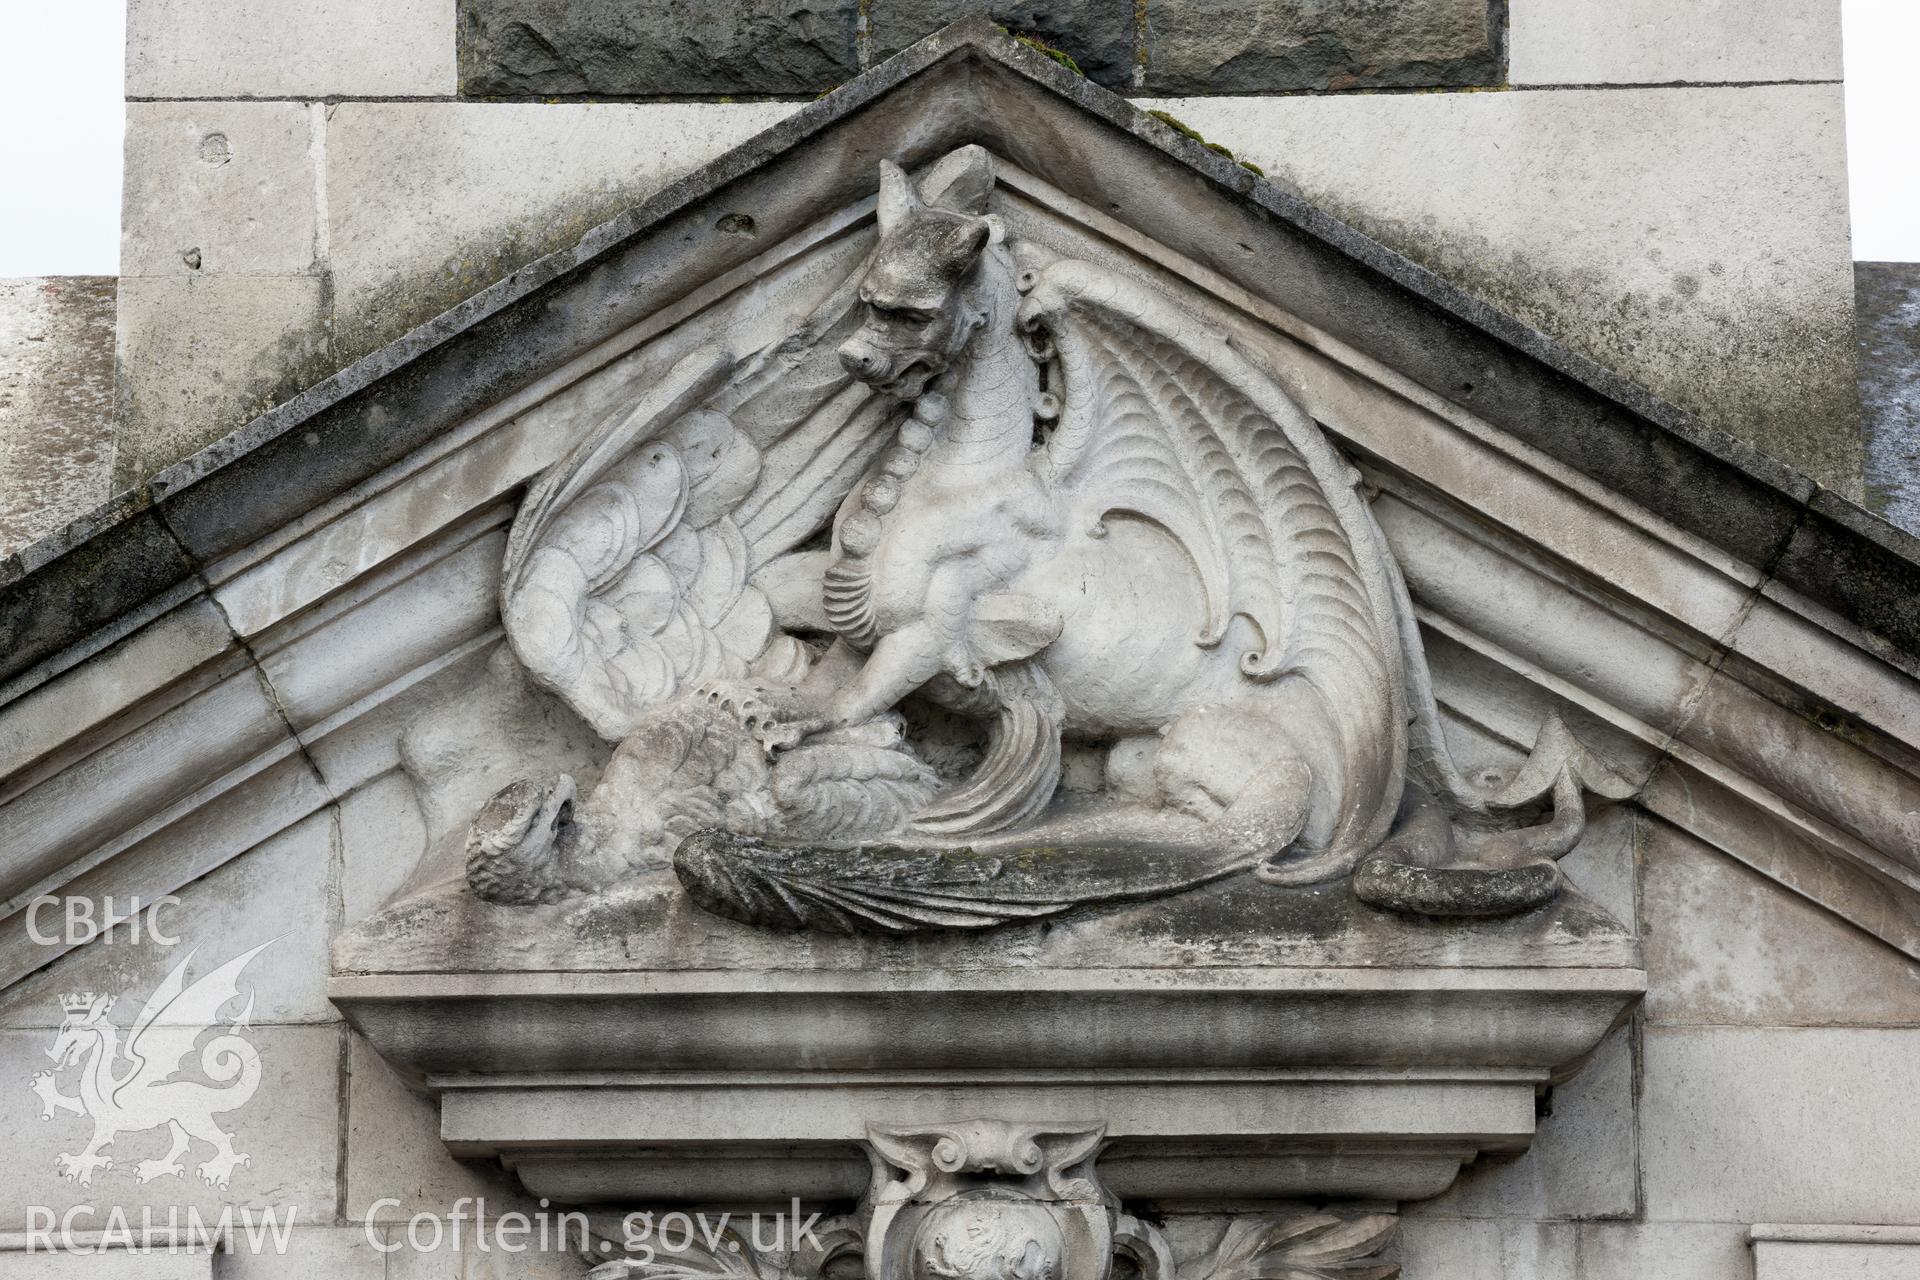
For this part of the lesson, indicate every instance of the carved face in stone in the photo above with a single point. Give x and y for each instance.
(916, 317)
(988, 1236)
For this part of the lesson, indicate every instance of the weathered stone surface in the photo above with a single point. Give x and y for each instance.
(416, 1256)
(1747, 1124)
(1664, 42)
(1663, 1251)
(1725, 946)
(270, 49)
(290, 1127)
(1694, 240)
(1099, 35)
(1454, 892)
(394, 1151)
(130, 1264)
(381, 837)
(1784, 1252)
(549, 48)
(1226, 46)
(277, 893)
(1583, 1164)
(313, 1252)
(221, 188)
(56, 402)
(1887, 295)
(198, 357)
(431, 201)
(1457, 1249)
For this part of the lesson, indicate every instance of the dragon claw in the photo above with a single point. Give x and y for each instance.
(151, 1170)
(81, 1168)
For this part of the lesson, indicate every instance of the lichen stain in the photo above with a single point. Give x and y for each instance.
(1776, 371)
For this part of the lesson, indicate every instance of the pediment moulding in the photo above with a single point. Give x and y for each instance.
(1048, 632)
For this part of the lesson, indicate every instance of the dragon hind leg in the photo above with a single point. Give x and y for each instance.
(217, 1170)
(169, 1165)
(82, 1167)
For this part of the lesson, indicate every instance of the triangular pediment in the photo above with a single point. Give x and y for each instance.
(253, 630)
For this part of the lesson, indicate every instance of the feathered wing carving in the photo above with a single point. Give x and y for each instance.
(1164, 420)
(629, 570)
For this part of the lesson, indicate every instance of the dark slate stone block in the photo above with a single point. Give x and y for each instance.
(1258, 46)
(1888, 301)
(1099, 35)
(655, 48)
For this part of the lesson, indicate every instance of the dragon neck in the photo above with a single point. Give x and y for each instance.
(990, 430)
(97, 1078)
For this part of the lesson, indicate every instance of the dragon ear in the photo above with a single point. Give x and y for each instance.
(897, 198)
(969, 238)
(960, 181)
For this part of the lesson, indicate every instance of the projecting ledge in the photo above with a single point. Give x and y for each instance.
(1240, 1042)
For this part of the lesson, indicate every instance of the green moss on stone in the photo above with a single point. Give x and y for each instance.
(1060, 56)
(1176, 124)
(1186, 130)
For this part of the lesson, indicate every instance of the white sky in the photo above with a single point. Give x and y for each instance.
(1883, 128)
(60, 127)
(61, 120)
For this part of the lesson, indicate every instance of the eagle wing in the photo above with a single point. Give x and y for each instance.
(630, 567)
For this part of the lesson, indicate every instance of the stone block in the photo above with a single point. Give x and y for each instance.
(220, 188)
(1672, 41)
(430, 202)
(1779, 1260)
(1098, 35)
(1727, 945)
(1663, 1251)
(313, 1253)
(272, 49)
(56, 402)
(1454, 1249)
(1828, 1252)
(1605, 863)
(1693, 240)
(198, 357)
(394, 1151)
(1888, 298)
(529, 1258)
(277, 893)
(123, 1264)
(289, 1127)
(1749, 1124)
(547, 48)
(382, 837)
(1583, 1161)
(1233, 46)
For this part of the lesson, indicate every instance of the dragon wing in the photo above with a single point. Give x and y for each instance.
(630, 567)
(176, 1015)
(1162, 419)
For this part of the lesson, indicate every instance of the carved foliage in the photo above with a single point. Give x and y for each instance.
(1315, 1246)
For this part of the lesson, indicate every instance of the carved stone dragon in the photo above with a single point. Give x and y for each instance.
(851, 606)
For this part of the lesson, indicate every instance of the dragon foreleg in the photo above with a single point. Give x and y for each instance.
(51, 1099)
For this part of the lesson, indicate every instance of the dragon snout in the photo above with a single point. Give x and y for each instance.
(861, 359)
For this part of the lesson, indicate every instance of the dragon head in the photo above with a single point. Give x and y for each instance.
(85, 1014)
(916, 316)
